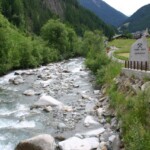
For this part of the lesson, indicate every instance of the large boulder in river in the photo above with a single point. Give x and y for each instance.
(17, 80)
(47, 101)
(41, 142)
(29, 92)
(89, 120)
(75, 143)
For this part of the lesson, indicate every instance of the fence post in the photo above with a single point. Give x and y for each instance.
(137, 65)
(146, 66)
(131, 64)
(134, 65)
(125, 64)
(141, 65)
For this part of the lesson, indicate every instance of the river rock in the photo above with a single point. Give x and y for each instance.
(17, 80)
(102, 99)
(94, 133)
(145, 86)
(47, 109)
(17, 73)
(115, 142)
(135, 88)
(112, 138)
(61, 126)
(102, 146)
(89, 120)
(75, 143)
(90, 108)
(66, 108)
(100, 112)
(29, 92)
(66, 71)
(75, 85)
(40, 142)
(105, 136)
(96, 92)
(47, 101)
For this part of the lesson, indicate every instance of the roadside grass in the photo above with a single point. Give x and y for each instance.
(122, 56)
(133, 112)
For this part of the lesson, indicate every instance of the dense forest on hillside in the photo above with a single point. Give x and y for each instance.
(32, 15)
(139, 21)
(104, 11)
(31, 34)
(19, 50)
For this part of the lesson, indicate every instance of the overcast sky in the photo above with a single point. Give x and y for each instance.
(128, 7)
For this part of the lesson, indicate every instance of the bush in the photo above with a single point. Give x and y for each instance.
(60, 37)
(108, 72)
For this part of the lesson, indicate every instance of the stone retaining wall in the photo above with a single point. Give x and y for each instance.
(136, 73)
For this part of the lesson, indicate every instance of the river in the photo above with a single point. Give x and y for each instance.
(69, 82)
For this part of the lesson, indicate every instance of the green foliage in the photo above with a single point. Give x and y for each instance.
(119, 55)
(31, 15)
(133, 111)
(26, 14)
(108, 72)
(135, 118)
(13, 10)
(139, 21)
(93, 48)
(82, 19)
(60, 37)
(124, 45)
(19, 51)
(50, 55)
(4, 45)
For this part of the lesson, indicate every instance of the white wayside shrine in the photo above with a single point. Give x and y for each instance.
(139, 55)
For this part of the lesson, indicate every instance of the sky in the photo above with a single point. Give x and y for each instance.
(128, 7)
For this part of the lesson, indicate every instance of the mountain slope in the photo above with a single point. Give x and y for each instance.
(140, 20)
(104, 11)
(32, 15)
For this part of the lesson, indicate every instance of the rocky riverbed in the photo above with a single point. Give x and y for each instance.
(58, 100)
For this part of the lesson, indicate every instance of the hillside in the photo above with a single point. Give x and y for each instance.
(31, 15)
(19, 50)
(104, 11)
(140, 20)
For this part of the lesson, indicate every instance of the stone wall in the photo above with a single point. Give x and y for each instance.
(141, 74)
(130, 84)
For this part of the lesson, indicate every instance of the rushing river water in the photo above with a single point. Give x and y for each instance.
(68, 82)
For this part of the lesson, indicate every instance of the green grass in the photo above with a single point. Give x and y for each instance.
(122, 56)
(133, 111)
(124, 46)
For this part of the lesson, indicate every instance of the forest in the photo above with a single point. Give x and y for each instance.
(32, 35)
